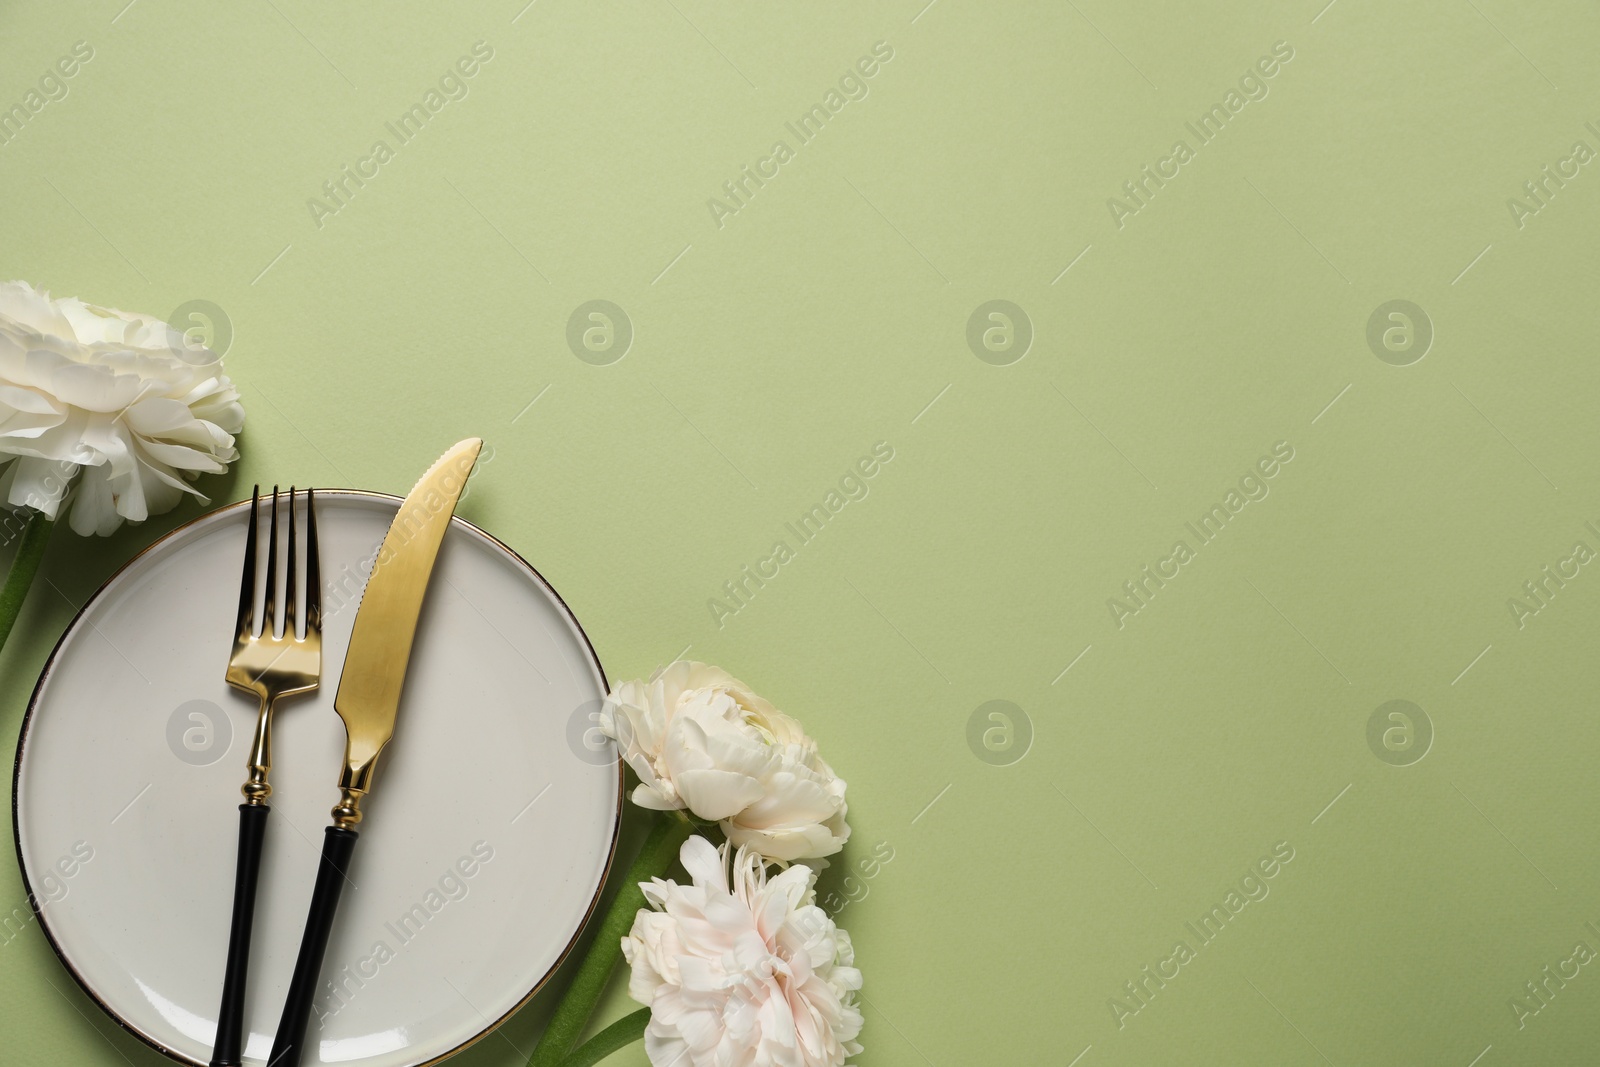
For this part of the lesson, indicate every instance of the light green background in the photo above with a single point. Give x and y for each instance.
(1226, 315)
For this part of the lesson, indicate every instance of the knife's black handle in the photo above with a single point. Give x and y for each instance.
(337, 847)
(230, 1016)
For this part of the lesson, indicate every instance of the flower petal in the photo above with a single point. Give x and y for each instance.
(117, 394)
(742, 971)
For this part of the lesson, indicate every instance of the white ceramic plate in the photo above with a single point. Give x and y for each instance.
(488, 834)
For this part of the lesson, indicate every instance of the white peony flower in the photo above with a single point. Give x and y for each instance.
(700, 739)
(744, 971)
(124, 400)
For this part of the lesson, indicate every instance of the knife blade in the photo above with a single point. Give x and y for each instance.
(386, 623)
(368, 701)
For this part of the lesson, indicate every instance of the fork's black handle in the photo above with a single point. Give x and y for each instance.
(230, 1017)
(288, 1045)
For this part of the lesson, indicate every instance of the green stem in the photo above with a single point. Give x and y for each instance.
(30, 553)
(625, 1031)
(577, 1004)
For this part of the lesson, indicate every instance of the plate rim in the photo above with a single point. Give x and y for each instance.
(49, 666)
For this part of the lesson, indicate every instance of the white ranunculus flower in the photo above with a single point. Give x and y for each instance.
(742, 971)
(123, 404)
(700, 739)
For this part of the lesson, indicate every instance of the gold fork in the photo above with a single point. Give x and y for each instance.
(269, 666)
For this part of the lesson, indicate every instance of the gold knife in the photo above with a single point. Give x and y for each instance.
(367, 701)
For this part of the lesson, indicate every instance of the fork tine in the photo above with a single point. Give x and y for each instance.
(247, 585)
(289, 570)
(313, 570)
(269, 609)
